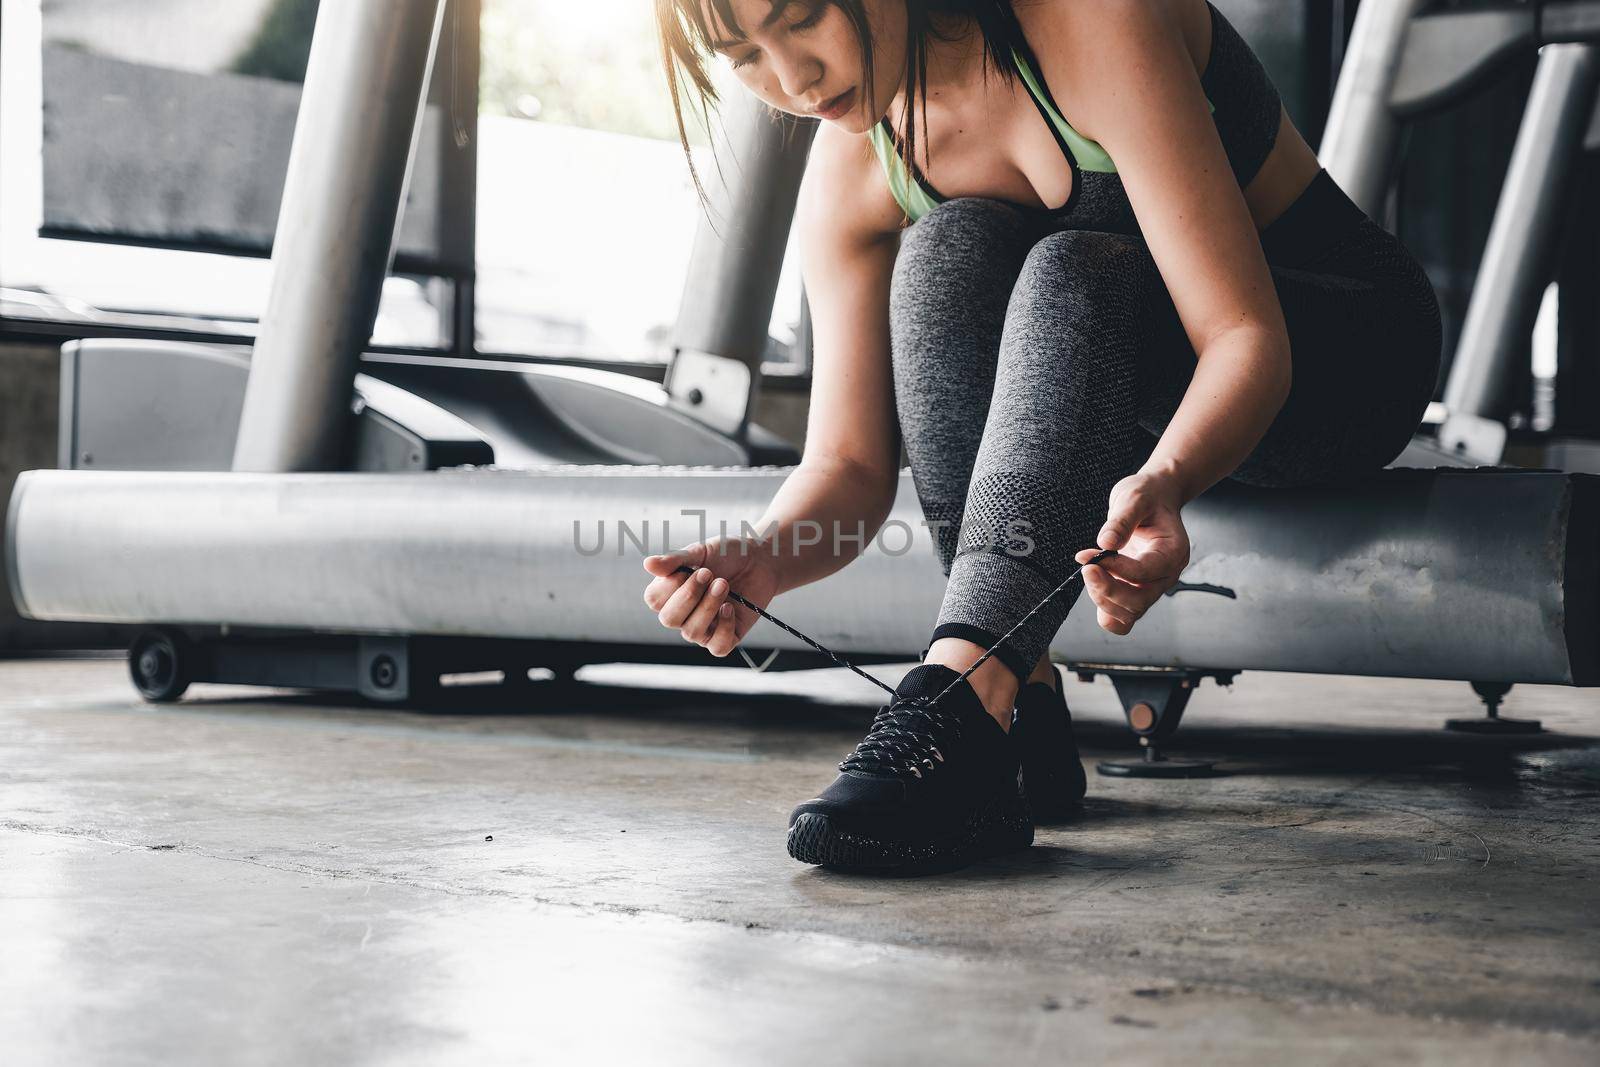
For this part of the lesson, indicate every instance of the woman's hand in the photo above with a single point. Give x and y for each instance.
(1144, 525)
(697, 605)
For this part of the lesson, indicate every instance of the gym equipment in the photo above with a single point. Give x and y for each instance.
(1153, 700)
(374, 548)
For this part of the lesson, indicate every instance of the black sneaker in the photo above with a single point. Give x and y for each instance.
(1052, 770)
(931, 787)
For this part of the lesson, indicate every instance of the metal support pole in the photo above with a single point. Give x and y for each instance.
(1359, 143)
(1519, 258)
(721, 332)
(354, 138)
(455, 93)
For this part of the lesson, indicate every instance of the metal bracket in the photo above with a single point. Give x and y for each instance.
(1473, 437)
(714, 389)
(1153, 701)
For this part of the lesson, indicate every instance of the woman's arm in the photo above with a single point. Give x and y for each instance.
(848, 231)
(817, 499)
(845, 484)
(1130, 80)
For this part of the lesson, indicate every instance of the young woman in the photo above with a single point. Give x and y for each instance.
(1077, 258)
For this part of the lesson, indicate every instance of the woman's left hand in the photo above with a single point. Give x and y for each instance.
(1144, 524)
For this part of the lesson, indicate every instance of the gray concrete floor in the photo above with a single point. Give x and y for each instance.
(253, 877)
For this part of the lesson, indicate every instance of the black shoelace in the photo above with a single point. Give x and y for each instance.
(905, 738)
(906, 732)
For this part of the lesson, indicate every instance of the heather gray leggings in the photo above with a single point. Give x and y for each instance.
(1034, 367)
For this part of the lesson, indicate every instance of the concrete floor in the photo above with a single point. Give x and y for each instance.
(251, 877)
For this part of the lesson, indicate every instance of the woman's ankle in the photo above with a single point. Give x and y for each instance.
(994, 682)
(1044, 672)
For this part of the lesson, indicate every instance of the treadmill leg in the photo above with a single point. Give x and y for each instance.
(1153, 702)
(1492, 724)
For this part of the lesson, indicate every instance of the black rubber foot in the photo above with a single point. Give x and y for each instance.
(1160, 768)
(1495, 727)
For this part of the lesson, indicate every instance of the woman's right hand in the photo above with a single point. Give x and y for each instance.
(697, 605)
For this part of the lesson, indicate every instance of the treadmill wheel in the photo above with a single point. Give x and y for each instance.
(159, 662)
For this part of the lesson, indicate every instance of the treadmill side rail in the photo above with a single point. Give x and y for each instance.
(1484, 574)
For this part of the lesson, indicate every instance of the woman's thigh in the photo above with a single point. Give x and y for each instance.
(1364, 338)
(948, 294)
(952, 282)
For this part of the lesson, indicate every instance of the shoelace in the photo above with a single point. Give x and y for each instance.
(896, 698)
(905, 738)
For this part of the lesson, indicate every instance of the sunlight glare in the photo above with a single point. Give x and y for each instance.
(591, 21)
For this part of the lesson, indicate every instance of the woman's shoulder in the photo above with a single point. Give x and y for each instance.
(1085, 48)
(1103, 15)
(1073, 36)
(845, 190)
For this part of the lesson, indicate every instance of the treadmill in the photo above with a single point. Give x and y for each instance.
(370, 523)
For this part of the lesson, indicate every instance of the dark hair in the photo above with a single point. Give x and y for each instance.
(686, 38)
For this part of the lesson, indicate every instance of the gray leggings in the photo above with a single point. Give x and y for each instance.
(1035, 366)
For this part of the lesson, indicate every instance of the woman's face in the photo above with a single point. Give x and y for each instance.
(803, 57)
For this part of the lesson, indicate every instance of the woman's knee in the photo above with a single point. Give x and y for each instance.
(966, 240)
(967, 218)
(951, 283)
(1083, 285)
(1087, 267)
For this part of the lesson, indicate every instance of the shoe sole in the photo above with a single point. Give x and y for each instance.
(999, 827)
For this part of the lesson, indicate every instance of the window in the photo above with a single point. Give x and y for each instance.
(586, 212)
(146, 146)
(145, 150)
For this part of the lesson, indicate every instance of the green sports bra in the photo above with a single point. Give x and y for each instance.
(916, 197)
